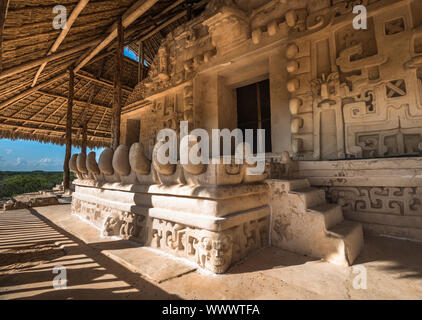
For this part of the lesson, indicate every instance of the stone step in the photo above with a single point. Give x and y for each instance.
(288, 185)
(311, 197)
(297, 184)
(350, 235)
(332, 213)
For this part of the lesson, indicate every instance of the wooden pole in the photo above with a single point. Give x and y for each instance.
(141, 62)
(117, 102)
(4, 5)
(66, 171)
(84, 136)
(189, 9)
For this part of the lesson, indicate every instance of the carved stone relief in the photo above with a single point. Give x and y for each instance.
(386, 200)
(214, 251)
(352, 94)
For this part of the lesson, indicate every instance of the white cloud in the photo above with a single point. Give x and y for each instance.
(45, 161)
(21, 162)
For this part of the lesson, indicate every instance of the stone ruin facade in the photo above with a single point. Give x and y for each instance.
(213, 216)
(335, 93)
(344, 93)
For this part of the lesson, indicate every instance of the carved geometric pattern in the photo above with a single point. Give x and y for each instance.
(391, 200)
(396, 88)
(394, 26)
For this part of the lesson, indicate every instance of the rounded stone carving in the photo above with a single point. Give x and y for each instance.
(291, 18)
(256, 36)
(292, 66)
(81, 163)
(72, 164)
(297, 145)
(137, 159)
(188, 91)
(293, 85)
(121, 160)
(291, 51)
(105, 163)
(296, 124)
(166, 169)
(188, 115)
(294, 105)
(272, 28)
(191, 168)
(91, 164)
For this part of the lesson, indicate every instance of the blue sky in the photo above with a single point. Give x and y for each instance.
(21, 155)
(129, 53)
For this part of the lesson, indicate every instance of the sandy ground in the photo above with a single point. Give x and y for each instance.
(33, 242)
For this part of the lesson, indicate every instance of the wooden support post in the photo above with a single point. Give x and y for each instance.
(66, 171)
(189, 9)
(84, 136)
(117, 102)
(4, 5)
(141, 62)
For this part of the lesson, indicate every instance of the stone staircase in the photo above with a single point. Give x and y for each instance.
(303, 222)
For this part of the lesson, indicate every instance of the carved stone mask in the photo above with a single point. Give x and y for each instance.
(218, 248)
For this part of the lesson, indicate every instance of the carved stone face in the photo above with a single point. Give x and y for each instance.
(285, 157)
(216, 251)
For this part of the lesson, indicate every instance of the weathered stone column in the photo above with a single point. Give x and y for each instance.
(280, 114)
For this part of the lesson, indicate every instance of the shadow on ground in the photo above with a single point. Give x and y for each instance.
(31, 246)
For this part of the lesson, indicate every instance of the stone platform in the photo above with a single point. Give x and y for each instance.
(31, 200)
(212, 215)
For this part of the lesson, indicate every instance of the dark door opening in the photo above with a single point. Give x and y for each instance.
(254, 112)
(133, 130)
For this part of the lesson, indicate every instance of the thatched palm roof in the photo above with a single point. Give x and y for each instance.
(37, 111)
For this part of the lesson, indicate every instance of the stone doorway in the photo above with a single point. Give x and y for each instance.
(254, 110)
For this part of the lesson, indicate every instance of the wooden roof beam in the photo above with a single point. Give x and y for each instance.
(76, 101)
(74, 15)
(101, 81)
(12, 126)
(170, 21)
(37, 62)
(130, 16)
(30, 91)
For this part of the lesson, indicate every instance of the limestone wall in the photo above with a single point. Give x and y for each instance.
(336, 92)
(384, 194)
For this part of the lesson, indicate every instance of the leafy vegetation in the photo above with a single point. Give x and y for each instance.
(13, 183)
